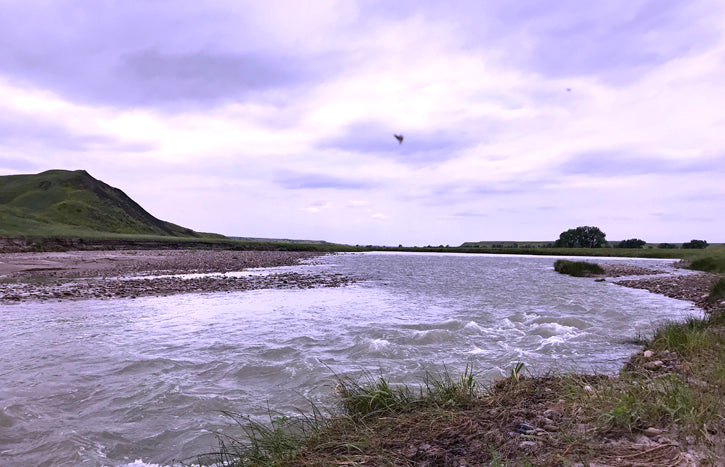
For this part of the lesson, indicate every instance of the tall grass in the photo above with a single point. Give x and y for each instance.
(360, 401)
(710, 260)
(718, 291)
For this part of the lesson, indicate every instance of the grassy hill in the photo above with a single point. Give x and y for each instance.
(73, 203)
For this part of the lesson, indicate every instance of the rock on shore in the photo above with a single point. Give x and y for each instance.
(694, 287)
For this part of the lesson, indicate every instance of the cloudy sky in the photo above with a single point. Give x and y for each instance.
(276, 119)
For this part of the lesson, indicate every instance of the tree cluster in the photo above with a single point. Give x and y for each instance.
(695, 244)
(582, 237)
(632, 243)
(593, 237)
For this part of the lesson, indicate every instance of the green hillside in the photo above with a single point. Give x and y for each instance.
(73, 203)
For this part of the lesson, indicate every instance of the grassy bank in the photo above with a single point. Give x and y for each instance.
(149, 242)
(711, 257)
(664, 408)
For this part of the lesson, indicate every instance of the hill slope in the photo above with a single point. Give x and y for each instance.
(73, 203)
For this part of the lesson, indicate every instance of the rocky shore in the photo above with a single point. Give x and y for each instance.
(683, 285)
(134, 273)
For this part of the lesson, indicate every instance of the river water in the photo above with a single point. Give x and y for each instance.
(145, 381)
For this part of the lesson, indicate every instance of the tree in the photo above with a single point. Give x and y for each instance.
(631, 243)
(667, 245)
(695, 244)
(582, 237)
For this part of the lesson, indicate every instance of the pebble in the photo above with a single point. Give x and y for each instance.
(115, 283)
(648, 354)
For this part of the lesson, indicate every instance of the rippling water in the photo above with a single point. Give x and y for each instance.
(145, 381)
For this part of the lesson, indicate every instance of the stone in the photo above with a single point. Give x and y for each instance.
(652, 432)
(648, 354)
(525, 429)
(654, 365)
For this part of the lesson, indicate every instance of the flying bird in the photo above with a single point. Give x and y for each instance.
(399, 138)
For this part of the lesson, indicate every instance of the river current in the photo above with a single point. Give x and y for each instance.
(145, 381)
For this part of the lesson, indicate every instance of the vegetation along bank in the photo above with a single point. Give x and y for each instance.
(664, 408)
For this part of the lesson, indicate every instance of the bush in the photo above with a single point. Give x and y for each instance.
(577, 268)
(695, 244)
(631, 243)
(667, 245)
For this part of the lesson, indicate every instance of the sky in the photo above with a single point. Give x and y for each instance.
(276, 119)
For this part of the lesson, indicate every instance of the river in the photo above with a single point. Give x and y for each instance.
(144, 381)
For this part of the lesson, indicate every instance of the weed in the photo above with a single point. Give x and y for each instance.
(516, 371)
(442, 390)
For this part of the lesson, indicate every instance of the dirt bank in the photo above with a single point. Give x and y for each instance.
(117, 274)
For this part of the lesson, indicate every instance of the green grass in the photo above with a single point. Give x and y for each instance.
(577, 268)
(709, 260)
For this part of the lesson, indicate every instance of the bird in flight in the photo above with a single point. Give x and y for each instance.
(399, 138)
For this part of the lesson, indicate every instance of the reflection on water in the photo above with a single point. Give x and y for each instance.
(110, 382)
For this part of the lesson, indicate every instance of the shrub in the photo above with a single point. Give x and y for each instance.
(667, 245)
(577, 268)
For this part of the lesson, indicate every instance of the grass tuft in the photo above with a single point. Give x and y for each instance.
(372, 397)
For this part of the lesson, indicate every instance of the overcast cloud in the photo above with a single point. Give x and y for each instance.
(276, 119)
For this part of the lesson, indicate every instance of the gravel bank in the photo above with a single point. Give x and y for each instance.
(119, 274)
(693, 287)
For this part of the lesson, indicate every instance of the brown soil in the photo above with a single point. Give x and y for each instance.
(116, 274)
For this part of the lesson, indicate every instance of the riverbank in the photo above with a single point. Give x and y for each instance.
(664, 408)
(109, 274)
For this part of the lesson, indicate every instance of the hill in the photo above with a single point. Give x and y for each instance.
(73, 203)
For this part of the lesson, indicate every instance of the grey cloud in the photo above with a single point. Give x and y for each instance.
(474, 214)
(164, 54)
(298, 181)
(419, 147)
(17, 130)
(620, 164)
(614, 40)
(155, 76)
(17, 164)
